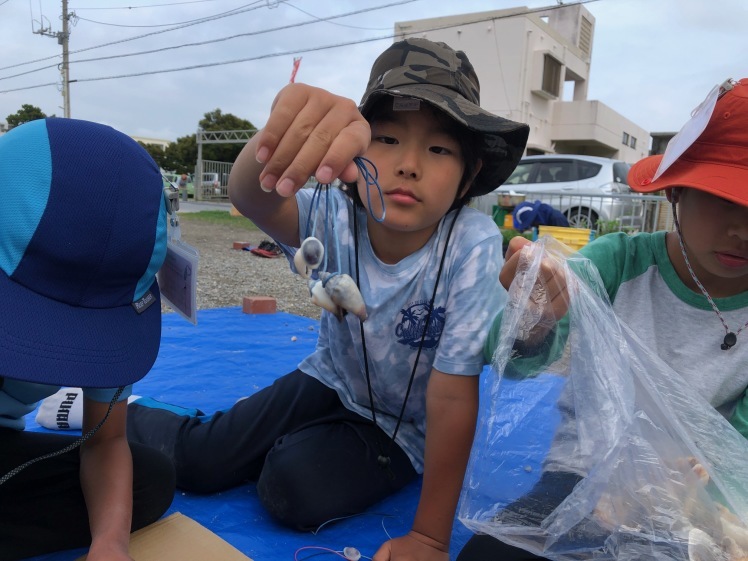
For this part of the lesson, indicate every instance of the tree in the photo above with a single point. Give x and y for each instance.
(218, 121)
(157, 152)
(24, 115)
(180, 156)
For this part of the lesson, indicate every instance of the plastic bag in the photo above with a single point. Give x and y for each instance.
(655, 471)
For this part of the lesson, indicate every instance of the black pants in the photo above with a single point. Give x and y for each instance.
(530, 509)
(313, 459)
(585, 541)
(42, 507)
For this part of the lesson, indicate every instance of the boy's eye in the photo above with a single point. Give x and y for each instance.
(440, 150)
(385, 139)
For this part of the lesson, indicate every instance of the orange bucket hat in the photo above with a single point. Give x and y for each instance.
(716, 162)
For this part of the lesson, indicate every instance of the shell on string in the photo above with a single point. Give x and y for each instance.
(309, 256)
(312, 252)
(322, 299)
(343, 291)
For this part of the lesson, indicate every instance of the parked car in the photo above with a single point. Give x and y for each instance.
(173, 179)
(586, 189)
(211, 185)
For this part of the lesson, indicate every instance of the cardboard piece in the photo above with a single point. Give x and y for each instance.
(179, 538)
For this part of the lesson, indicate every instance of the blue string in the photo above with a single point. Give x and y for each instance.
(370, 179)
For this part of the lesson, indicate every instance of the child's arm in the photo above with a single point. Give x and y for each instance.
(451, 413)
(310, 131)
(739, 418)
(106, 479)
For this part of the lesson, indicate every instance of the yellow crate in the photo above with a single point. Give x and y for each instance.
(575, 238)
(508, 220)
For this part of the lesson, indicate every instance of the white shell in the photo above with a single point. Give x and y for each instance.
(344, 292)
(298, 262)
(312, 252)
(322, 299)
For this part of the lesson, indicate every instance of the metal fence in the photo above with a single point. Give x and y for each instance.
(604, 213)
(215, 181)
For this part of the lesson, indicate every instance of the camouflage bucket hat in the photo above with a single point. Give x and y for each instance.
(435, 73)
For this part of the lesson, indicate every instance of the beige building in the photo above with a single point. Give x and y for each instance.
(534, 67)
(155, 141)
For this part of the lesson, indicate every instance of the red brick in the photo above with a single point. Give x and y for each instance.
(258, 305)
(241, 245)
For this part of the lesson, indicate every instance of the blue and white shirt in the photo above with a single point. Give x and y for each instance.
(468, 297)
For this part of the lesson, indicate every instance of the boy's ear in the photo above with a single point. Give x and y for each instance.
(469, 182)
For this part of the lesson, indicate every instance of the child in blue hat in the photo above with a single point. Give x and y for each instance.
(82, 235)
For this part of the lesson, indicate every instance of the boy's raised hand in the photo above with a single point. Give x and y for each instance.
(550, 295)
(310, 131)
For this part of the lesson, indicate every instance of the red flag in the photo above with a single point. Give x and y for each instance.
(296, 63)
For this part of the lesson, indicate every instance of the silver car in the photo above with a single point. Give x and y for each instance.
(587, 189)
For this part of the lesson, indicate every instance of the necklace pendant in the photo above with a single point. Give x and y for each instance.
(729, 341)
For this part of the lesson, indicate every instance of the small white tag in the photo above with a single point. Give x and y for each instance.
(689, 133)
(177, 279)
(405, 104)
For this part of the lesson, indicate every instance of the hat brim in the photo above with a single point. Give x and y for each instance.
(504, 140)
(723, 181)
(47, 342)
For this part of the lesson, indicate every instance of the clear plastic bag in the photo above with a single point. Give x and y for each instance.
(655, 471)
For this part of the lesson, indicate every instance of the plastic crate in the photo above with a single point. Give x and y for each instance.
(575, 238)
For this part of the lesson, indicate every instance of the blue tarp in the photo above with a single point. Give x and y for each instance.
(228, 355)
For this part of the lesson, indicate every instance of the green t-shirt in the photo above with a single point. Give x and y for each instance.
(676, 323)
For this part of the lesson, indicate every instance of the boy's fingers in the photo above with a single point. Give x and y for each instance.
(326, 153)
(310, 132)
(509, 270)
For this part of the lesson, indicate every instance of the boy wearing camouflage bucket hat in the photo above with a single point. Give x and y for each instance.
(82, 235)
(383, 400)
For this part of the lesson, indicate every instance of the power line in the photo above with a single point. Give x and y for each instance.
(179, 23)
(209, 18)
(297, 51)
(334, 22)
(146, 6)
(210, 41)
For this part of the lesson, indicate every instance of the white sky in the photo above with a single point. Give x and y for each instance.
(653, 61)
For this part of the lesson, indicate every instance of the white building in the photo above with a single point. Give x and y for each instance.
(156, 141)
(526, 61)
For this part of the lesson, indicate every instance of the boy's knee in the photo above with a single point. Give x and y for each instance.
(285, 492)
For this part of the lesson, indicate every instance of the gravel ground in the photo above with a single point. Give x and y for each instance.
(227, 275)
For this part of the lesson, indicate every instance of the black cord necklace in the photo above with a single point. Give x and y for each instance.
(384, 460)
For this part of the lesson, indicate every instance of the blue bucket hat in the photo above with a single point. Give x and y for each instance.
(82, 235)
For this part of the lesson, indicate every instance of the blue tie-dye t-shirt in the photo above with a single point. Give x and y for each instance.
(469, 295)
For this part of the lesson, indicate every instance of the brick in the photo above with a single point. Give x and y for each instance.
(258, 305)
(241, 245)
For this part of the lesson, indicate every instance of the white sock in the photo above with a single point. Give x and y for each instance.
(64, 410)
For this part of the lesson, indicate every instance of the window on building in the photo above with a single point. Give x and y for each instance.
(626, 138)
(585, 36)
(551, 75)
(633, 142)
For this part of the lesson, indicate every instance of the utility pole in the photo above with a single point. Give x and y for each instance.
(62, 39)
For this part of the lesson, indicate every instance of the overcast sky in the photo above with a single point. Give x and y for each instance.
(653, 61)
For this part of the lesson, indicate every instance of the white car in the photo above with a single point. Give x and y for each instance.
(585, 188)
(211, 185)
